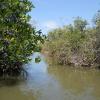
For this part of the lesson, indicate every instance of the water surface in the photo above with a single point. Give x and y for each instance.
(52, 83)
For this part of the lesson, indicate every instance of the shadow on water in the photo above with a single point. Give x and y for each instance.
(13, 80)
(8, 82)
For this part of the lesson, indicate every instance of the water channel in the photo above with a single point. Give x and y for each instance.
(46, 82)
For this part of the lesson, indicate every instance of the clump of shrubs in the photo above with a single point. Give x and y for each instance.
(74, 44)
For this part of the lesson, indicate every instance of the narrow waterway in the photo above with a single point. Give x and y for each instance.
(52, 83)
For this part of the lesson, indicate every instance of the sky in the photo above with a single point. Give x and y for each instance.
(50, 14)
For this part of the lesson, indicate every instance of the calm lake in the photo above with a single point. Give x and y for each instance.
(46, 82)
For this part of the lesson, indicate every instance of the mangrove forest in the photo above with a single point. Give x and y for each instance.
(49, 50)
(76, 44)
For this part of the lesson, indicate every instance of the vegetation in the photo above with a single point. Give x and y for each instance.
(75, 44)
(18, 39)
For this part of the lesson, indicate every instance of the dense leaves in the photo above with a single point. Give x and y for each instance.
(18, 39)
(74, 44)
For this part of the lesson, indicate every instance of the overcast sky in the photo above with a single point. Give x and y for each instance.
(50, 14)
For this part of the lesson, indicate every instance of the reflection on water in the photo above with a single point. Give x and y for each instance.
(52, 83)
(82, 84)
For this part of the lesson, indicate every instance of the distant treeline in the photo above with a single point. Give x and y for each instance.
(75, 44)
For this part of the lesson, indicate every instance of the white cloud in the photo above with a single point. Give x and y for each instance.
(33, 22)
(50, 25)
(45, 26)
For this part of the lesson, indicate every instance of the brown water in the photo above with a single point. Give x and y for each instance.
(52, 83)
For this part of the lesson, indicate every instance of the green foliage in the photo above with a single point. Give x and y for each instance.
(80, 24)
(37, 59)
(97, 33)
(18, 39)
(72, 44)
